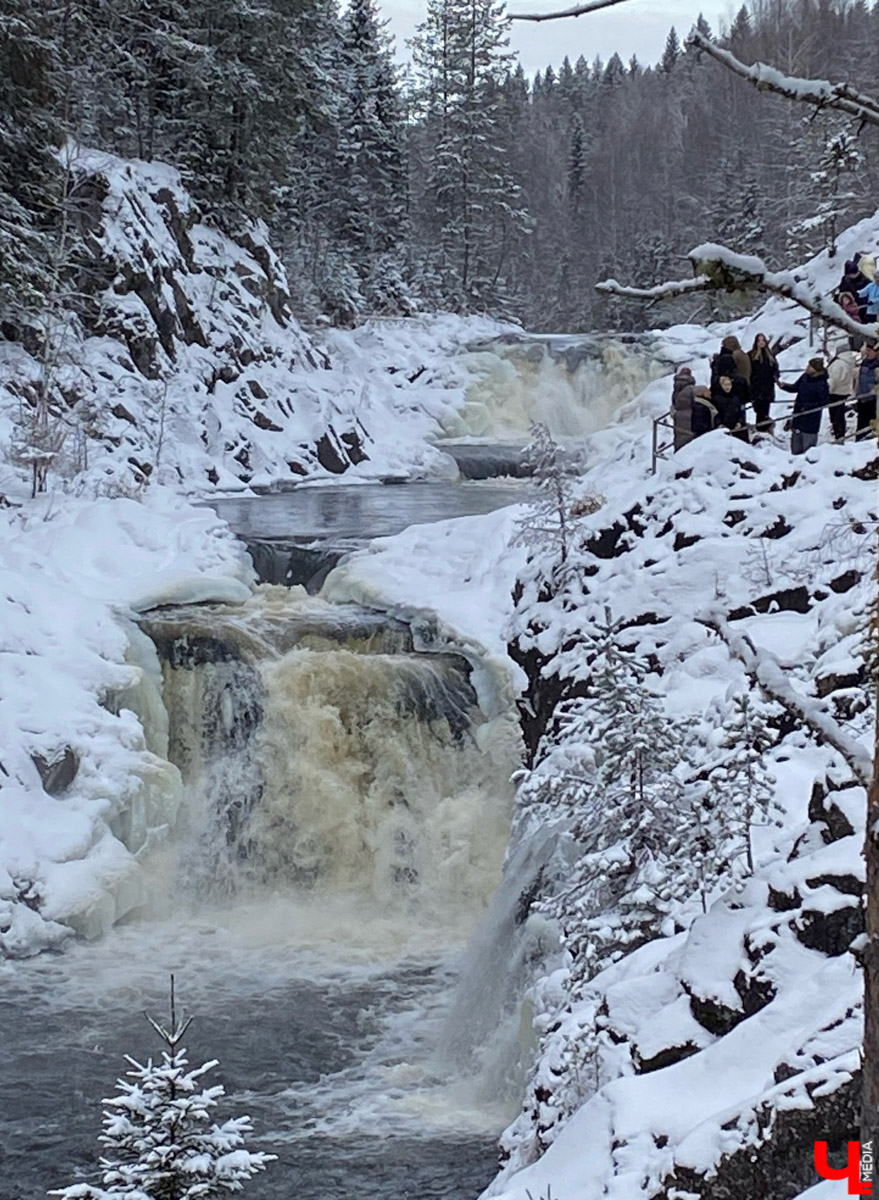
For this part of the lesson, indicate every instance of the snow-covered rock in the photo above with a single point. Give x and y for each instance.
(707, 1061)
(73, 666)
(183, 361)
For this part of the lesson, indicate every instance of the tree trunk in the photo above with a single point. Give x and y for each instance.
(870, 1094)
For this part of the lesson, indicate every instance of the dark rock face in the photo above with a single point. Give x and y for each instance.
(606, 544)
(178, 311)
(193, 650)
(830, 932)
(780, 1162)
(57, 772)
(330, 454)
(823, 812)
(665, 1058)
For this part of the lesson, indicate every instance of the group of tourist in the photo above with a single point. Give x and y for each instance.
(857, 293)
(740, 379)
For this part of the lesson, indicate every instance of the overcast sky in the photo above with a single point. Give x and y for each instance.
(636, 27)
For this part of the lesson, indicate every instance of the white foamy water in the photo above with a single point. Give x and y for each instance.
(573, 394)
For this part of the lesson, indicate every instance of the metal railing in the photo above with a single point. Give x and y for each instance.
(660, 449)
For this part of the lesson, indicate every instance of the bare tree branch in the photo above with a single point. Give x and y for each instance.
(659, 291)
(841, 97)
(765, 670)
(588, 7)
(722, 270)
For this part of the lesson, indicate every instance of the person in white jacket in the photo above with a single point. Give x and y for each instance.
(842, 373)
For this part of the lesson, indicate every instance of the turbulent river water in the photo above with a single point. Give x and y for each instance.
(315, 921)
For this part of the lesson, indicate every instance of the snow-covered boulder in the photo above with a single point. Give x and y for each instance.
(80, 684)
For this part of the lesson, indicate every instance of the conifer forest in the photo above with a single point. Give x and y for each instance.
(455, 182)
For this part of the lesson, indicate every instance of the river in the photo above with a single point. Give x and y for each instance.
(325, 992)
(355, 806)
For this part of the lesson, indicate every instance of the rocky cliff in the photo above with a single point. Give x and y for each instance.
(173, 352)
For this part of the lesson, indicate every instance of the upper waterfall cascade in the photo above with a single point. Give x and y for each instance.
(574, 385)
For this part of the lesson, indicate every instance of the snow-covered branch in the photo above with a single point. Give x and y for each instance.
(659, 291)
(588, 7)
(841, 97)
(764, 669)
(720, 269)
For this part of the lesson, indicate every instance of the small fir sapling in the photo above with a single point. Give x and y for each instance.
(161, 1140)
(548, 520)
(741, 786)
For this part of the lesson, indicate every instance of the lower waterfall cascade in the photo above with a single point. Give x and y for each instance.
(333, 761)
(339, 810)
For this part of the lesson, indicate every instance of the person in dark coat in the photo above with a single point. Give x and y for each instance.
(729, 396)
(813, 394)
(740, 358)
(730, 360)
(764, 376)
(853, 280)
(704, 412)
(868, 385)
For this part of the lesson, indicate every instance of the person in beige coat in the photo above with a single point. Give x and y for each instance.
(842, 375)
(742, 360)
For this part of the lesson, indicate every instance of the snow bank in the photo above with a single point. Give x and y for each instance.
(706, 1062)
(688, 1055)
(452, 582)
(71, 665)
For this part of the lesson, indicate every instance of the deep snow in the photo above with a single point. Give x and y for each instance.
(75, 573)
(77, 570)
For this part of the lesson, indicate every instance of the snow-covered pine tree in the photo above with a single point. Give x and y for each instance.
(547, 521)
(468, 203)
(371, 198)
(161, 1137)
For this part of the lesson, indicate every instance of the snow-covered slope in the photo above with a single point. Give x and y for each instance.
(708, 1060)
(84, 785)
(712, 1058)
(183, 362)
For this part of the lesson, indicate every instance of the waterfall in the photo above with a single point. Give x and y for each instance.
(488, 1033)
(575, 386)
(344, 788)
(324, 758)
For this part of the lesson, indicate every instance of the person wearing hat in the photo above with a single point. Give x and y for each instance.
(682, 398)
(813, 394)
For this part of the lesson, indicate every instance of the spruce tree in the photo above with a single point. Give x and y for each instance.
(161, 1138)
(672, 52)
(29, 174)
(370, 157)
(469, 203)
